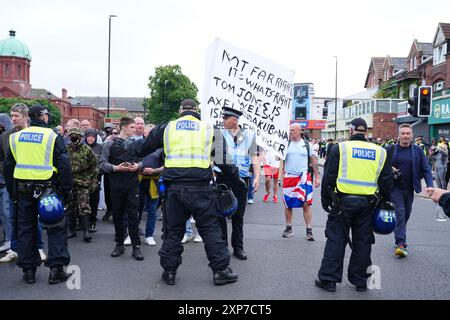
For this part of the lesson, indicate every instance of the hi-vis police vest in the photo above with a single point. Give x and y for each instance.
(32, 149)
(188, 143)
(359, 167)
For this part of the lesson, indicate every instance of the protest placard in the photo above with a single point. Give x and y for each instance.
(259, 88)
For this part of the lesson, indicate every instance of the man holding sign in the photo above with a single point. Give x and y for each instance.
(238, 150)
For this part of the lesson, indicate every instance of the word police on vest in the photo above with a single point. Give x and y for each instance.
(365, 154)
(31, 137)
(188, 125)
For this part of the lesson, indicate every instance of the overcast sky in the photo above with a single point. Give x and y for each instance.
(68, 40)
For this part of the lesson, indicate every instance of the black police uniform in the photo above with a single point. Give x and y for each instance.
(229, 175)
(188, 192)
(357, 216)
(27, 210)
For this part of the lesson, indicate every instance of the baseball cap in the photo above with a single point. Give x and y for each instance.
(188, 104)
(358, 124)
(76, 131)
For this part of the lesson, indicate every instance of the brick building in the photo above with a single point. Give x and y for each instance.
(15, 65)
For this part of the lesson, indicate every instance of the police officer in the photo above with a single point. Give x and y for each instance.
(37, 159)
(187, 175)
(235, 151)
(354, 171)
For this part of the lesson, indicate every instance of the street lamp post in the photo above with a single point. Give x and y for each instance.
(165, 95)
(335, 103)
(109, 59)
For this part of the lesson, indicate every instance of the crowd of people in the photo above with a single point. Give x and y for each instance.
(137, 167)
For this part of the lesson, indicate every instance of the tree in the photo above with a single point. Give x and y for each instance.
(55, 114)
(168, 87)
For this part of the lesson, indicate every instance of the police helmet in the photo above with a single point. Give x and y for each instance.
(50, 208)
(226, 201)
(384, 219)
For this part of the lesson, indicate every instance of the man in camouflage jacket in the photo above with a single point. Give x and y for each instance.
(84, 171)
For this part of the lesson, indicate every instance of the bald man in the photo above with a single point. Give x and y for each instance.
(139, 127)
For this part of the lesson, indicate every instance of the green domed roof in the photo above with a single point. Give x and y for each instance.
(14, 48)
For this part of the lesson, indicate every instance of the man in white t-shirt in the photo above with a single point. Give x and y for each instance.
(297, 181)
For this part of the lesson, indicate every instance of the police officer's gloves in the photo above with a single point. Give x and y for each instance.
(327, 205)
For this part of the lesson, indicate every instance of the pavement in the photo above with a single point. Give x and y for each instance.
(277, 268)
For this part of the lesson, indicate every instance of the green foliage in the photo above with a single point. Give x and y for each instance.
(390, 90)
(177, 87)
(55, 114)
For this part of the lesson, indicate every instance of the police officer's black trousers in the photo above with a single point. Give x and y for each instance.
(29, 258)
(240, 190)
(125, 202)
(181, 202)
(358, 214)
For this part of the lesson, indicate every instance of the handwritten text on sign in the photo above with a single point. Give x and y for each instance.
(260, 89)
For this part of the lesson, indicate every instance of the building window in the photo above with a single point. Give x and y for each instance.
(300, 113)
(19, 70)
(439, 53)
(6, 70)
(411, 90)
(438, 86)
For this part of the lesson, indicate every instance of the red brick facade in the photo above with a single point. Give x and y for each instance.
(384, 125)
(15, 75)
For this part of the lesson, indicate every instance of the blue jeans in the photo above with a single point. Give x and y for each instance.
(403, 199)
(150, 205)
(250, 187)
(5, 213)
(188, 230)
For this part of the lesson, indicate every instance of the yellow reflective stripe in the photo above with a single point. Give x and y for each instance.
(209, 132)
(48, 148)
(344, 160)
(358, 183)
(381, 163)
(12, 142)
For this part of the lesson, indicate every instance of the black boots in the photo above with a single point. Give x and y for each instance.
(240, 254)
(72, 226)
(118, 250)
(57, 274)
(327, 285)
(137, 253)
(28, 276)
(169, 277)
(224, 276)
(85, 227)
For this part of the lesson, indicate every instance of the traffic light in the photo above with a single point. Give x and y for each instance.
(424, 101)
(412, 110)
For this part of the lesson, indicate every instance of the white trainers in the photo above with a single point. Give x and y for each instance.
(42, 254)
(250, 201)
(11, 256)
(186, 238)
(127, 241)
(6, 246)
(198, 238)
(150, 241)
